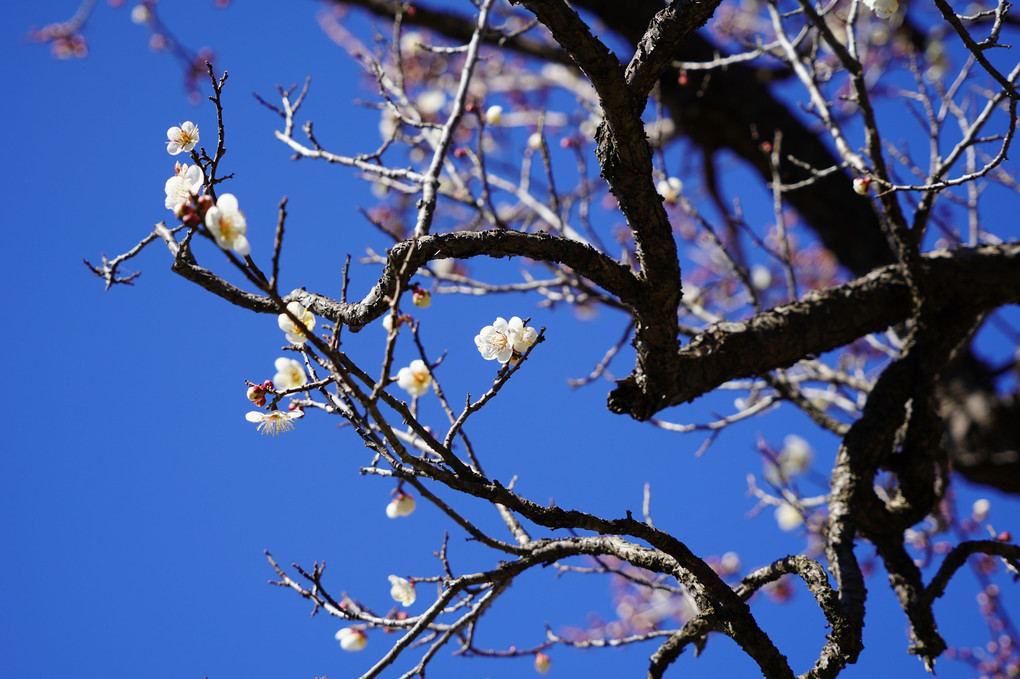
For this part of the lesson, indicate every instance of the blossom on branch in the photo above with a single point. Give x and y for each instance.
(275, 421)
(421, 297)
(351, 639)
(402, 505)
(494, 115)
(883, 9)
(183, 138)
(295, 333)
(501, 339)
(415, 378)
(228, 225)
(402, 590)
(788, 517)
(289, 374)
(184, 185)
(669, 189)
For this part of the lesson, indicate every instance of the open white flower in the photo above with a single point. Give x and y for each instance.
(402, 505)
(402, 591)
(495, 342)
(275, 421)
(182, 138)
(184, 185)
(415, 378)
(228, 226)
(351, 639)
(289, 374)
(883, 9)
(296, 334)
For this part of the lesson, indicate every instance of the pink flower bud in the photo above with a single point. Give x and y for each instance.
(862, 185)
(422, 298)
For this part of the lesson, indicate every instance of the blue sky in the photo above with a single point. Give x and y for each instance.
(137, 501)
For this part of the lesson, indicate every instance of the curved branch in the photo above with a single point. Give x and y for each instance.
(585, 260)
(958, 556)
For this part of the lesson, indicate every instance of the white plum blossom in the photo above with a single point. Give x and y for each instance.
(184, 185)
(494, 115)
(228, 226)
(431, 101)
(980, 509)
(761, 277)
(795, 457)
(402, 505)
(494, 341)
(669, 189)
(296, 334)
(141, 15)
(500, 340)
(415, 378)
(411, 42)
(402, 591)
(275, 421)
(389, 124)
(351, 639)
(883, 9)
(788, 517)
(182, 139)
(289, 374)
(523, 336)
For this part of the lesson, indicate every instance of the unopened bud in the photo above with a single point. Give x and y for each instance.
(402, 505)
(422, 298)
(542, 663)
(861, 185)
(494, 115)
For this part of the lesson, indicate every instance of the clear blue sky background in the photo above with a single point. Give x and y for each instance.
(137, 501)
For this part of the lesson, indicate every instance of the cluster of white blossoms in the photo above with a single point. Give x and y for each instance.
(502, 340)
(402, 591)
(883, 9)
(224, 220)
(182, 139)
(402, 505)
(296, 334)
(275, 421)
(415, 378)
(354, 639)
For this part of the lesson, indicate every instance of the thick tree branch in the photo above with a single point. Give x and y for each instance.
(975, 278)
